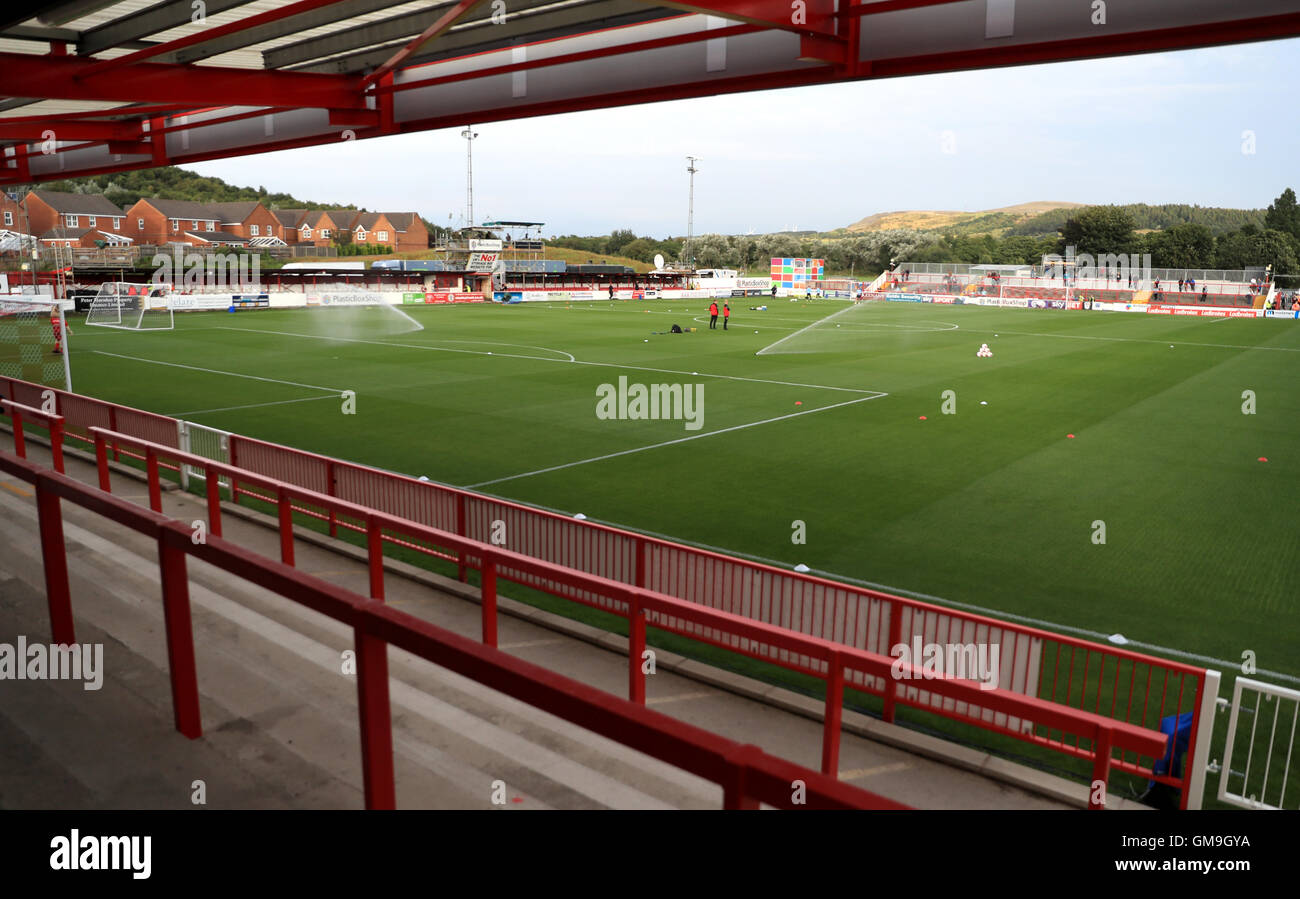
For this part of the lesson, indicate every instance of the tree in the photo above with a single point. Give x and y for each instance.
(642, 249)
(1098, 230)
(1182, 246)
(618, 239)
(1284, 214)
(1253, 247)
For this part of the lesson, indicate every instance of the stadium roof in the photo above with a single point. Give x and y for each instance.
(93, 86)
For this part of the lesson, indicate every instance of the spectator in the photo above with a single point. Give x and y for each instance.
(1181, 284)
(1205, 293)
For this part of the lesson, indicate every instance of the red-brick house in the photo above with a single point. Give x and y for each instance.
(409, 231)
(12, 215)
(374, 228)
(248, 219)
(316, 227)
(156, 222)
(287, 221)
(69, 237)
(49, 209)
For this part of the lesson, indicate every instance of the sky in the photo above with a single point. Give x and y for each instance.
(1213, 127)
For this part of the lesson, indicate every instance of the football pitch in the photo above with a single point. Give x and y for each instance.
(838, 448)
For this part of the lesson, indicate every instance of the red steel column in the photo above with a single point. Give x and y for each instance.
(180, 639)
(54, 553)
(375, 557)
(155, 488)
(733, 790)
(285, 509)
(56, 443)
(895, 637)
(376, 720)
(460, 532)
(212, 486)
(834, 714)
(20, 444)
(635, 650)
(489, 598)
(1100, 768)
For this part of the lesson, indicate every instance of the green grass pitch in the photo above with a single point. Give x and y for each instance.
(994, 506)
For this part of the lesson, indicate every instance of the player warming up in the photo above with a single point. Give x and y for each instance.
(713, 315)
(56, 325)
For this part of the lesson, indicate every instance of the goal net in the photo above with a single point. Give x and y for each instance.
(34, 342)
(131, 307)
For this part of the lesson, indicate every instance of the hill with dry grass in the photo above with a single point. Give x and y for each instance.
(991, 220)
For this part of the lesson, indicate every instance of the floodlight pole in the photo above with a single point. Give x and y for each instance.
(690, 211)
(469, 134)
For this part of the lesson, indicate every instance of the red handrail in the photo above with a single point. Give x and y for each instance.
(1103, 732)
(625, 556)
(747, 774)
(53, 423)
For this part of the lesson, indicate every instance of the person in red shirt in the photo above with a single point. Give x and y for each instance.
(726, 314)
(56, 325)
(713, 314)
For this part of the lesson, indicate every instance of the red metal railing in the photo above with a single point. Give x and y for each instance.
(53, 423)
(1124, 685)
(837, 663)
(747, 774)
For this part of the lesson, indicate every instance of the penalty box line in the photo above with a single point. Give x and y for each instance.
(571, 361)
(640, 449)
(214, 371)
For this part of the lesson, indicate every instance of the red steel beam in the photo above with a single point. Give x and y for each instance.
(814, 18)
(69, 129)
(582, 56)
(167, 108)
(204, 35)
(445, 21)
(53, 78)
(1184, 37)
(871, 9)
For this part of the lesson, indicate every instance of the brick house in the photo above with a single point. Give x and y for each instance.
(409, 231)
(316, 227)
(49, 209)
(83, 238)
(248, 219)
(287, 222)
(374, 228)
(12, 215)
(158, 222)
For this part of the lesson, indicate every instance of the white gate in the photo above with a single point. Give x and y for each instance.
(211, 443)
(1262, 780)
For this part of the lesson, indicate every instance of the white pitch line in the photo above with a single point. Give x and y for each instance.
(214, 371)
(618, 365)
(306, 399)
(410, 346)
(1221, 346)
(639, 449)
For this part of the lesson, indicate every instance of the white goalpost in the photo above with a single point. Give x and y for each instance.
(34, 341)
(131, 307)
